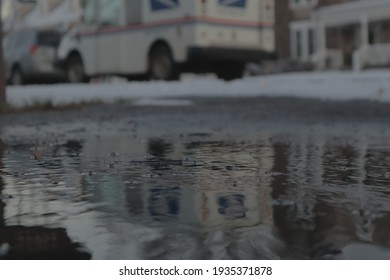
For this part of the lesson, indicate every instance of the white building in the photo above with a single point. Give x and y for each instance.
(350, 35)
(355, 34)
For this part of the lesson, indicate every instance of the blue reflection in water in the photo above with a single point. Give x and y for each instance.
(232, 206)
(163, 202)
(297, 198)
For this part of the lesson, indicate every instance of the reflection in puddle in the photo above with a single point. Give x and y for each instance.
(128, 198)
(38, 243)
(232, 206)
(163, 203)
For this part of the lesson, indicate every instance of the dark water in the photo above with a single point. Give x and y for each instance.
(306, 194)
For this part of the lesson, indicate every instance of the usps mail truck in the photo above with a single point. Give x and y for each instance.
(162, 38)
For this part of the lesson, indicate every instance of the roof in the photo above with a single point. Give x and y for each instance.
(353, 11)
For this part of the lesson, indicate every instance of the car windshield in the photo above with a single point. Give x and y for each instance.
(49, 38)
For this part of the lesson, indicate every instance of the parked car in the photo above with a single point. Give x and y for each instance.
(30, 55)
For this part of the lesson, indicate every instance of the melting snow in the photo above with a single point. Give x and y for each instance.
(368, 85)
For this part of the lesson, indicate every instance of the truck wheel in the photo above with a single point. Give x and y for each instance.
(17, 77)
(75, 70)
(161, 64)
(230, 71)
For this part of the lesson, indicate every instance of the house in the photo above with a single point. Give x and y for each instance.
(294, 28)
(334, 34)
(353, 35)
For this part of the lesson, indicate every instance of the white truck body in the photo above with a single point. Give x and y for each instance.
(117, 36)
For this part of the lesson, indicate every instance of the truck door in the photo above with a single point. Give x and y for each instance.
(232, 22)
(111, 13)
(86, 37)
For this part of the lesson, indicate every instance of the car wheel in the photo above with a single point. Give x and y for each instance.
(161, 64)
(75, 70)
(17, 77)
(230, 71)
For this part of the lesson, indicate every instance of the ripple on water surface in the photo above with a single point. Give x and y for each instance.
(125, 197)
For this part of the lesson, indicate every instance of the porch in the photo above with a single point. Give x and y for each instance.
(354, 35)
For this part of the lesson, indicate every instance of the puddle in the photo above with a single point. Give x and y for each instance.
(306, 196)
(162, 102)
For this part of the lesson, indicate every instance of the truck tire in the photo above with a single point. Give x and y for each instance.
(17, 77)
(162, 65)
(230, 71)
(75, 70)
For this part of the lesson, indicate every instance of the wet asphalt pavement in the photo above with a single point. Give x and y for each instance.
(248, 178)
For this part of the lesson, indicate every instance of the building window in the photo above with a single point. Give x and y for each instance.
(303, 40)
(298, 41)
(374, 35)
(296, 4)
(311, 41)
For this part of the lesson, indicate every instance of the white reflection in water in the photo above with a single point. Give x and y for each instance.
(129, 198)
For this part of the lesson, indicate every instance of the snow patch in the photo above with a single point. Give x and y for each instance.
(341, 86)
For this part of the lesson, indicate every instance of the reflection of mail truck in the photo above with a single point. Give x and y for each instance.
(161, 38)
